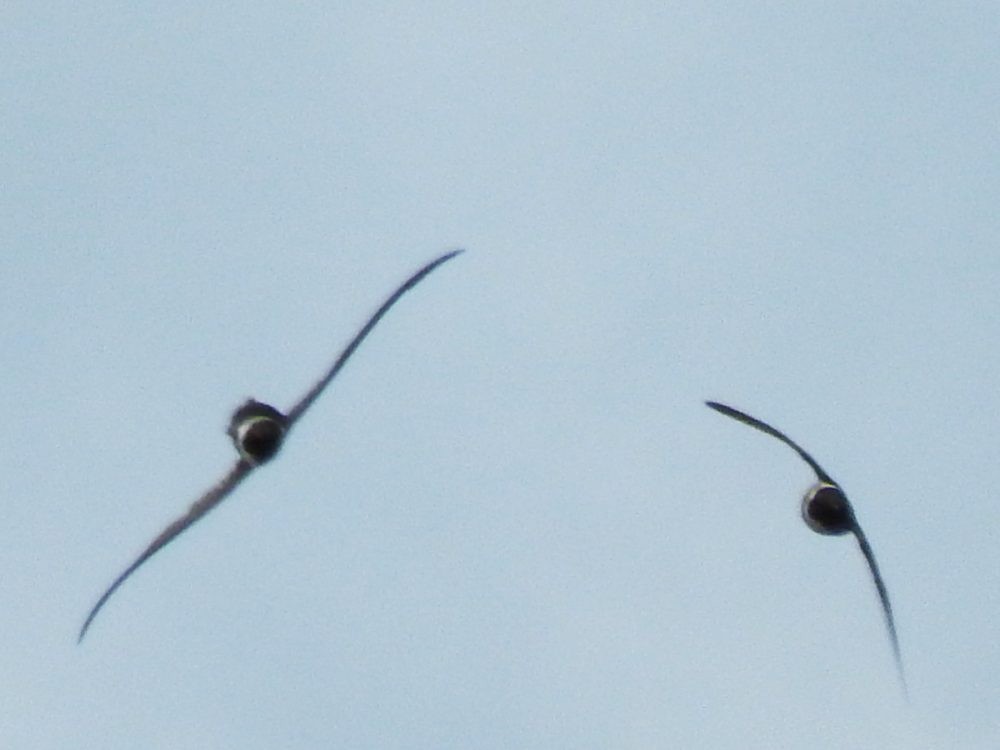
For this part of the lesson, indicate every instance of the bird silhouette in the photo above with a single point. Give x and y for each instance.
(826, 510)
(258, 432)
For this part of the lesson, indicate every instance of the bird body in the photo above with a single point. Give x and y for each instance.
(826, 510)
(257, 430)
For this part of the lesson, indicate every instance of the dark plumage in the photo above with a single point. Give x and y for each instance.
(258, 432)
(826, 510)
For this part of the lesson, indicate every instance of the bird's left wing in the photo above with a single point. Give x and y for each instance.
(306, 401)
(883, 596)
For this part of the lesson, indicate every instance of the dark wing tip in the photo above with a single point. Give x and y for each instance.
(441, 259)
(735, 414)
(108, 592)
(437, 262)
(740, 416)
(91, 616)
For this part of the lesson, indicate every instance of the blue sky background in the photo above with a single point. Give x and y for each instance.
(510, 522)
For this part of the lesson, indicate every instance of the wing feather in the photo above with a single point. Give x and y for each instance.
(883, 595)
(764, 427)
(306, 401)
(203, 505)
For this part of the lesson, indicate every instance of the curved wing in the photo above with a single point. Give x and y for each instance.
(205, 503)
(764, 427)
(883, 596)
(306, 401)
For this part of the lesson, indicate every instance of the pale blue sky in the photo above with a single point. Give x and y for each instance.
(510, 522)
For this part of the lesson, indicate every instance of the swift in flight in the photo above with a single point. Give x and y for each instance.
(826, 510)
(258, 432)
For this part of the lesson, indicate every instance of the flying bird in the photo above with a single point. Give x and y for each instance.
(258, 432)
(826, 510)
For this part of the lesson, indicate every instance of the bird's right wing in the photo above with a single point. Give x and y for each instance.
(203, 505)
(764, 427)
